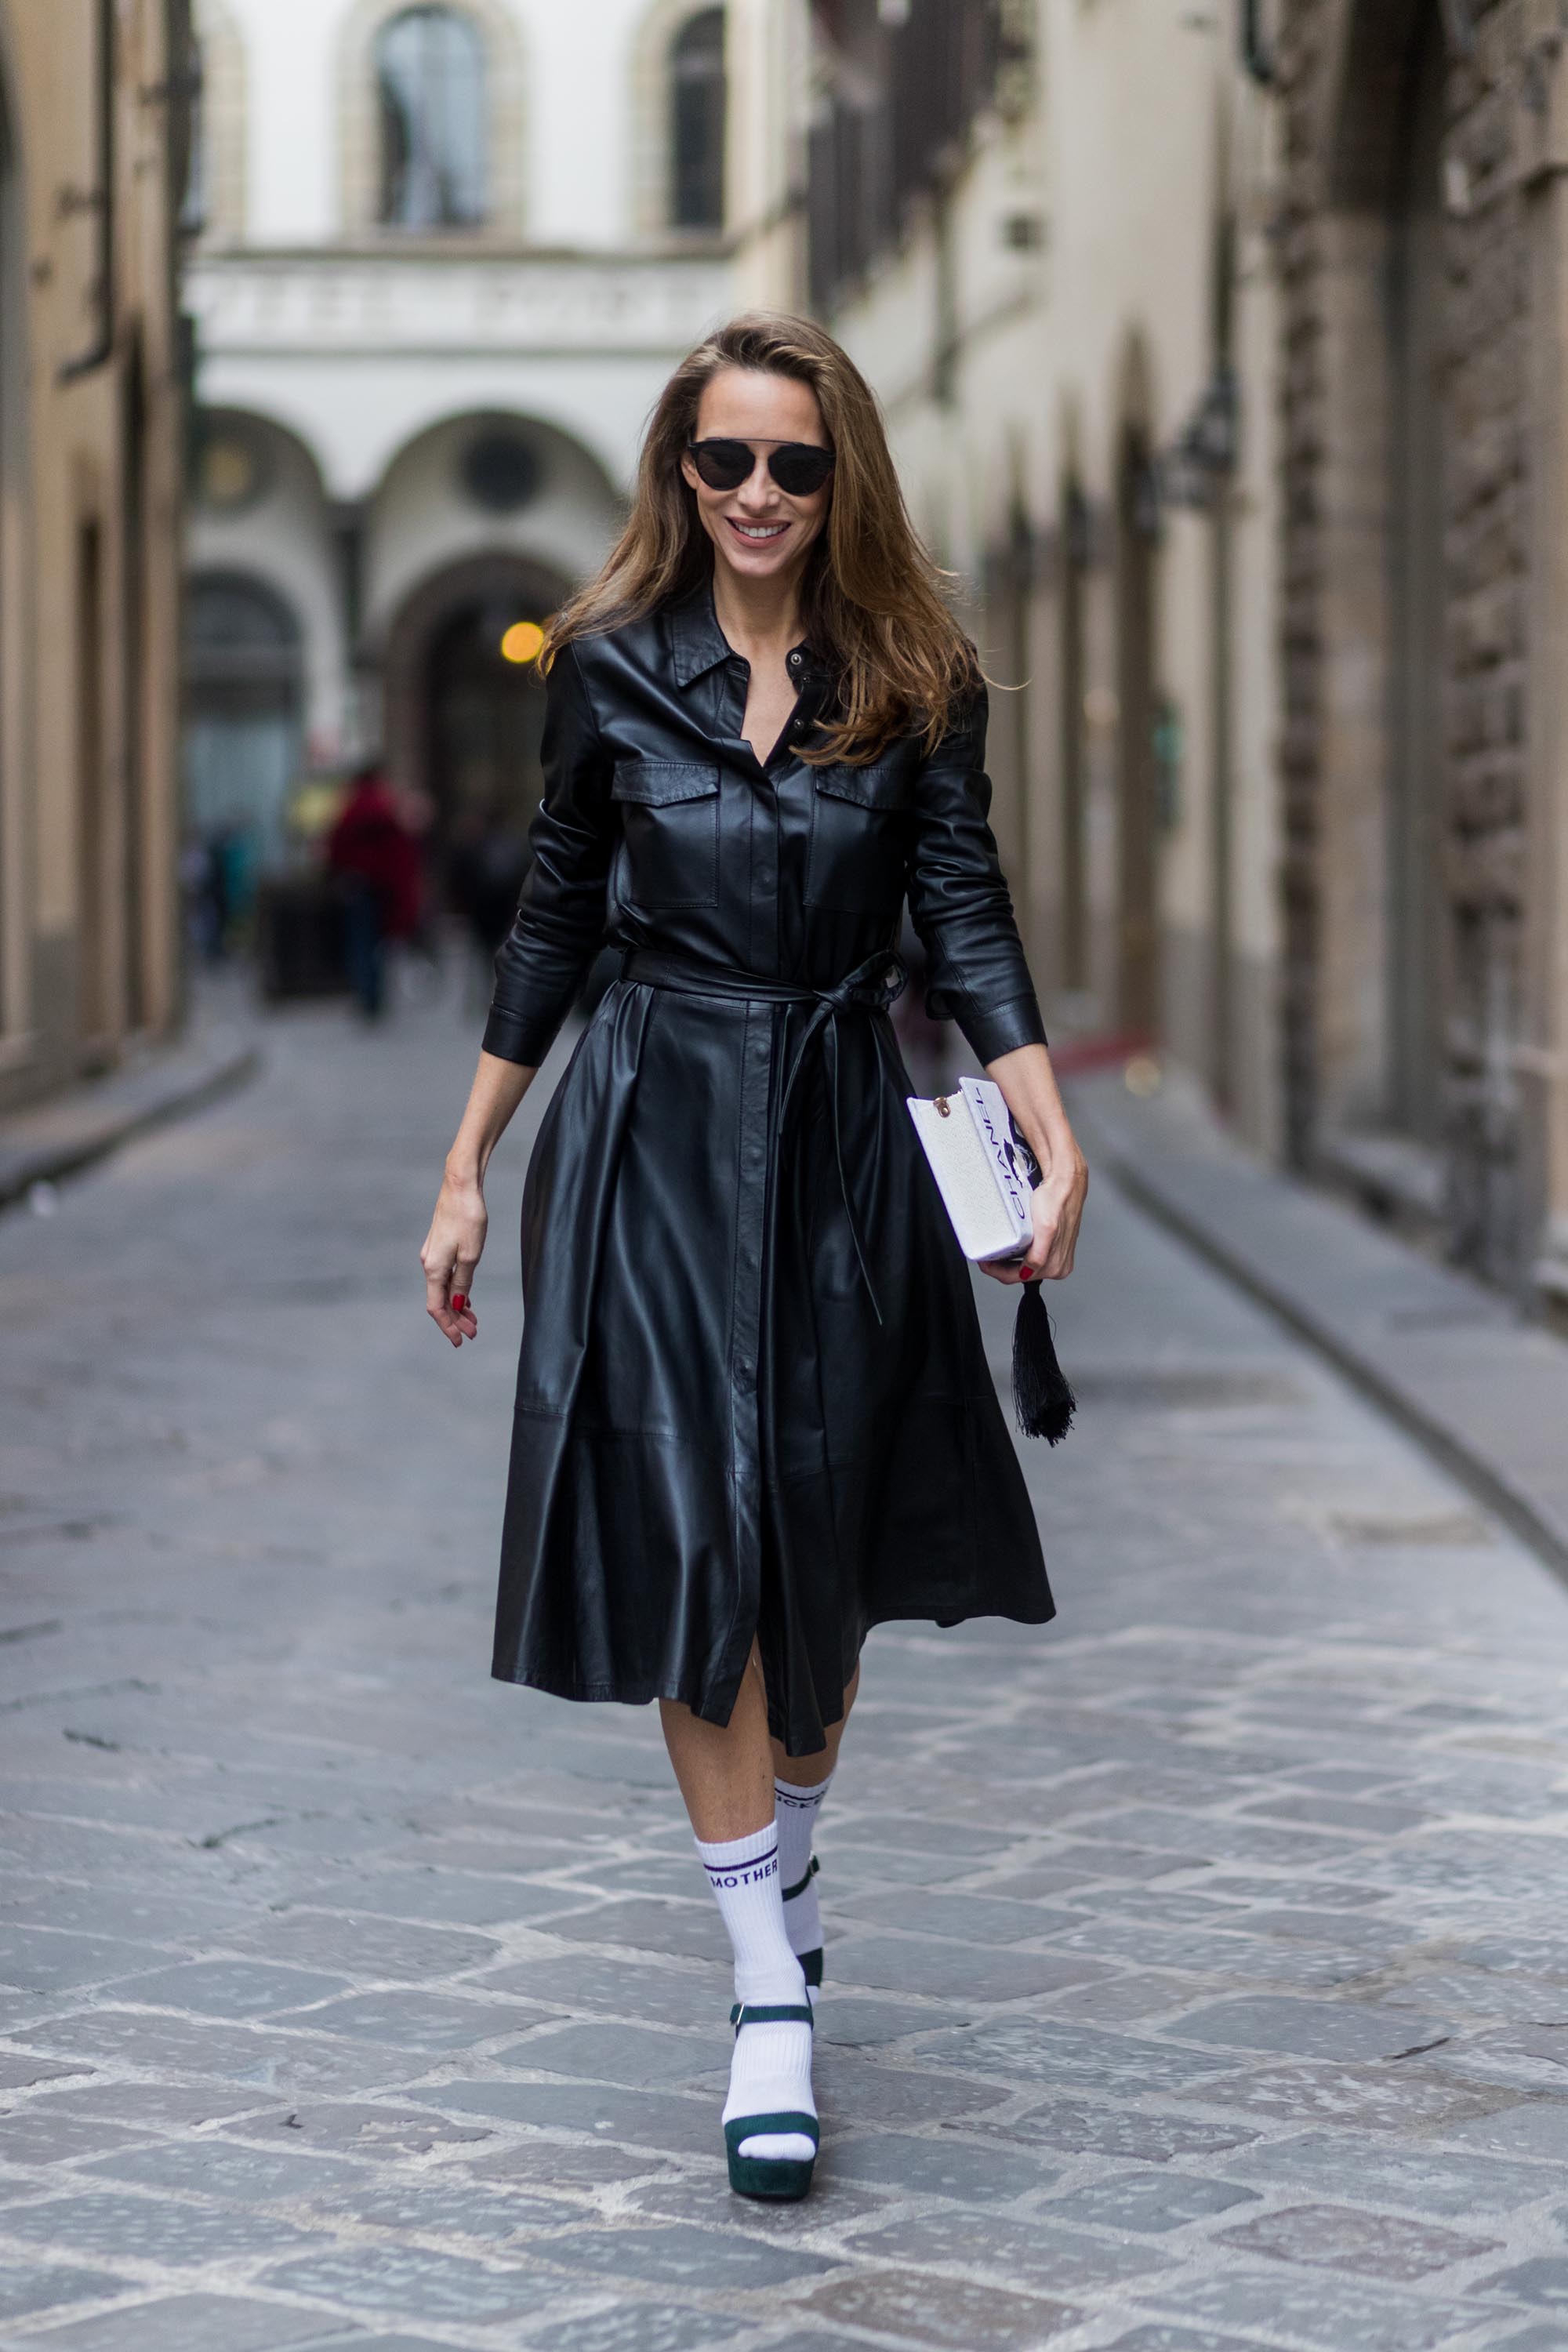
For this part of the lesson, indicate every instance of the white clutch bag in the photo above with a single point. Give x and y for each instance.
(983, 1172)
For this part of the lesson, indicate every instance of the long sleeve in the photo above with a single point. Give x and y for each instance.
(560, 921)
(959, 901)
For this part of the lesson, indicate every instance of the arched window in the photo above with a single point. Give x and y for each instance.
(430, 80)
(215, 131)
(697, 112)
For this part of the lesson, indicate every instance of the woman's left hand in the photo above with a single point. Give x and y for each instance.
(1029, 1089)
(1058, 1206)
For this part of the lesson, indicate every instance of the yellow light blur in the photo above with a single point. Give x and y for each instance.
(523, 642)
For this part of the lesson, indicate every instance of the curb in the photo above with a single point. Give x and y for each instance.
(1501, 1487)
(62, 1138)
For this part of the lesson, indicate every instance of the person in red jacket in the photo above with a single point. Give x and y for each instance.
(374, 850)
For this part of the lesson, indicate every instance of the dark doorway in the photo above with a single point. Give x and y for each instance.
(134, 685)
(464, 717)
(1137, 538)
(1012, 594)
(14, 488)
(486, 703)
(484, 716)
(1415, 764)
(97, 1007)
(1075, 558)
(243, 689)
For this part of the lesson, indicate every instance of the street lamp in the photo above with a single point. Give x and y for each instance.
(521, 643)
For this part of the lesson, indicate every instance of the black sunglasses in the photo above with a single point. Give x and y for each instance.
(798, 467)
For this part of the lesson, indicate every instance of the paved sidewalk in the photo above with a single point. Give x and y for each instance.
(51, 1140)
(1198, 1973)
(1452, 1360)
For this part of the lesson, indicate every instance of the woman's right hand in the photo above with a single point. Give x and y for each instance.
(456, 1241)
(452, 1251)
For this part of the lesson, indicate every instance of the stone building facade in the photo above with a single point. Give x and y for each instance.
(1045, 230)
(1226, 359)
(93, 115)
(1423, 252)
(446, 256)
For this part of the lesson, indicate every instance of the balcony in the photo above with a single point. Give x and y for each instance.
(447, 304)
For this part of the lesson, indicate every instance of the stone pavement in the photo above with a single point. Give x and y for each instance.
(1198, 1971)
(57, 1138)
(1453, 1361)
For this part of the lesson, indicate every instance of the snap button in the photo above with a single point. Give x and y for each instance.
(795, 661)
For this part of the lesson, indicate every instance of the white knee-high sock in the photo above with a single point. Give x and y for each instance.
(796, 1810)
(770, 2073)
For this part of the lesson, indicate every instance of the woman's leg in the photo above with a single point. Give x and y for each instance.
(800, 1785)
(726, 1778)
(811, 1771)
(725, 1773)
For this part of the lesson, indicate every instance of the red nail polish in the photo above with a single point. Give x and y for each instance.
(459, 1300)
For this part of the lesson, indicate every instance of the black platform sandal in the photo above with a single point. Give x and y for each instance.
(778, 2178)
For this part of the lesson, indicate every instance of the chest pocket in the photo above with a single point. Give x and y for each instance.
(859, 838)
(670, 829)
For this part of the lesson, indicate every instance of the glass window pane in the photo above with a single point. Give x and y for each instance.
(697, 122)
(242, 721)
(430, 79)
(225, 611)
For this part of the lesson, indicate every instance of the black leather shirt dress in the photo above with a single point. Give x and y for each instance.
(752, 1401)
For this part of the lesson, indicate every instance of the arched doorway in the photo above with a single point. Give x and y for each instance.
(1074, 534)
(1374, 957)
(465, 708)
(242, 714)
(486, 705)
(14, 920)
(1418, 650)
(1138, 936)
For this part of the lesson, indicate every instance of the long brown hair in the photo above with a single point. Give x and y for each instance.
(871, 597)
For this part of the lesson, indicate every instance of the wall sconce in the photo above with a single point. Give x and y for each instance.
(1145, 499)
(1203, 455)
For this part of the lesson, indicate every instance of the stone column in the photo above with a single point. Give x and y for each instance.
(1542, 1055)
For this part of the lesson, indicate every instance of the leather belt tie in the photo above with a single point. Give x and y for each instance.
(871, 987)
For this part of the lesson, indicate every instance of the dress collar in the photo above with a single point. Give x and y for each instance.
(697, 643)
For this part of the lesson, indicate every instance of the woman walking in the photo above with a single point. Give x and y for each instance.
(754, 1412)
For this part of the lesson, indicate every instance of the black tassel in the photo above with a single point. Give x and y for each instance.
(1044, 1403)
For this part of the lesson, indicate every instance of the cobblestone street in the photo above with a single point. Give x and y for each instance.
(1197, 1973)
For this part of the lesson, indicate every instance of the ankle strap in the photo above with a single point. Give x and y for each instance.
(747, 2012)
(790, 1893)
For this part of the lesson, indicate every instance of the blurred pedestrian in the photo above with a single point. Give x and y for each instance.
(754, 1415)
(374, 852)
(420, 975)
(200, 890)
(486, 862)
